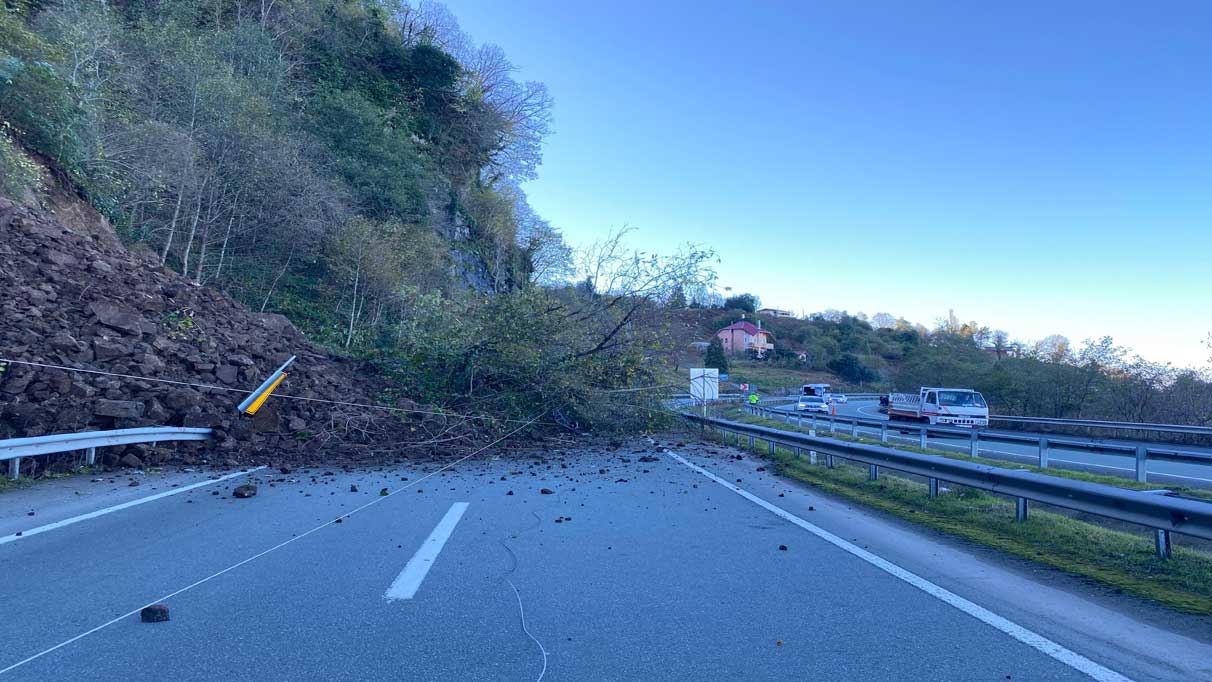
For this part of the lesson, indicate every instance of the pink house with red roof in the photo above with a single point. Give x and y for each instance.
(739, 337)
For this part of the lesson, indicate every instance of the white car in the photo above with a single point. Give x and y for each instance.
(812, 403)
(839, 398)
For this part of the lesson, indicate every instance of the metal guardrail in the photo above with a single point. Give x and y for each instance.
(1164, 514)
(1099, 424)
(16, 448)
(1141, 453)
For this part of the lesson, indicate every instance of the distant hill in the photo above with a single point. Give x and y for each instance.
(847, 352)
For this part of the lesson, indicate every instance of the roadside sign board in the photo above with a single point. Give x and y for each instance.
(704, 383)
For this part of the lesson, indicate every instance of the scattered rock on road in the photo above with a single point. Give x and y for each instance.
(383, 492)
(546, 491)
(243, 491)
(129, 460)
(782, 548)
(353, 488)
(156, 613)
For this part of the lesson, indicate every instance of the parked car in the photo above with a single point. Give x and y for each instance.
(839, 398)
(812, 403)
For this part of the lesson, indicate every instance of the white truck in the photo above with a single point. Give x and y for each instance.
(951, 406)
(821, 390)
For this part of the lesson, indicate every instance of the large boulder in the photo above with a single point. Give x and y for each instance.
(118, 317)
(105, 348)
(227, 374)
(182, 399)
(121, 409)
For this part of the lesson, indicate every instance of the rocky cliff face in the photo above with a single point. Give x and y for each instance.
(77, 298)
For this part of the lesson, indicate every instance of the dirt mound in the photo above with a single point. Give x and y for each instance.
(79, 299)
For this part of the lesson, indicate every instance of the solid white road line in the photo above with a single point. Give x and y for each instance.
(406, 584)
(125, 505)
(877, 414)
(1032, 639)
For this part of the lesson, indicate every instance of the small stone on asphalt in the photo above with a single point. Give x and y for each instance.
(156, 613)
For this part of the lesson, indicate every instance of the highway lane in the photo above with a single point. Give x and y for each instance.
(629, 571)
(1178, 473)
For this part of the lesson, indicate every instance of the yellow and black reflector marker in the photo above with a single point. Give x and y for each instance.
(257, 398)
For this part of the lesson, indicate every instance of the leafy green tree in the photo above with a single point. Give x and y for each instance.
(677, 299)
(747, 302)
(714, 357)
(850, 368)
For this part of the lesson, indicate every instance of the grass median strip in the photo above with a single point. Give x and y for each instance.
(1121, 560)
(739, 415)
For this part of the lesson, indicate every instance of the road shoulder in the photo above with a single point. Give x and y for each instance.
(1144, 640)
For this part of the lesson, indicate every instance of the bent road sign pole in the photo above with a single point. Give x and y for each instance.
(257, 398)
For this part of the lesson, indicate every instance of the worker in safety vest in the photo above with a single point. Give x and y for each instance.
(753, 399)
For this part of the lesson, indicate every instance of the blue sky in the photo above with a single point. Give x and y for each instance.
(1039, 167)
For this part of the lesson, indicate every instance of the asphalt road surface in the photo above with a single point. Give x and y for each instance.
(1194, 475)
(628, 570)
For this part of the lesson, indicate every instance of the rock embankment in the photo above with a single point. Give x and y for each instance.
(78, 299)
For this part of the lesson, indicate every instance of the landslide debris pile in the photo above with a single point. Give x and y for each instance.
(82, 300)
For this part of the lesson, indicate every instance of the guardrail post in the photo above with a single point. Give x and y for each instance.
(1161, 540)
(90, 456)
(752, 445)
(828, 460)
(812, 456)
(1142, 472)
(771, 448)
(921, 437)
(14, 468)
(795, 451)
(812, 429)
(854, 428)
(1043, 453)
(884, 432)
(972, 449)
(1020, 509)
(932, 486)
(799, 420)
(873, 472)
(830, 424)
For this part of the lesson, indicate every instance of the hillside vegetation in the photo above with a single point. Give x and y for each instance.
(1052, 379)
(352, 164)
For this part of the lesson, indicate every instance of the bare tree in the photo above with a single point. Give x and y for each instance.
(1054, 348)
(883, 321)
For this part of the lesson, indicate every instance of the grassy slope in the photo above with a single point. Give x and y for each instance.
(1122, 560)
(769, 378)
(688, 326)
